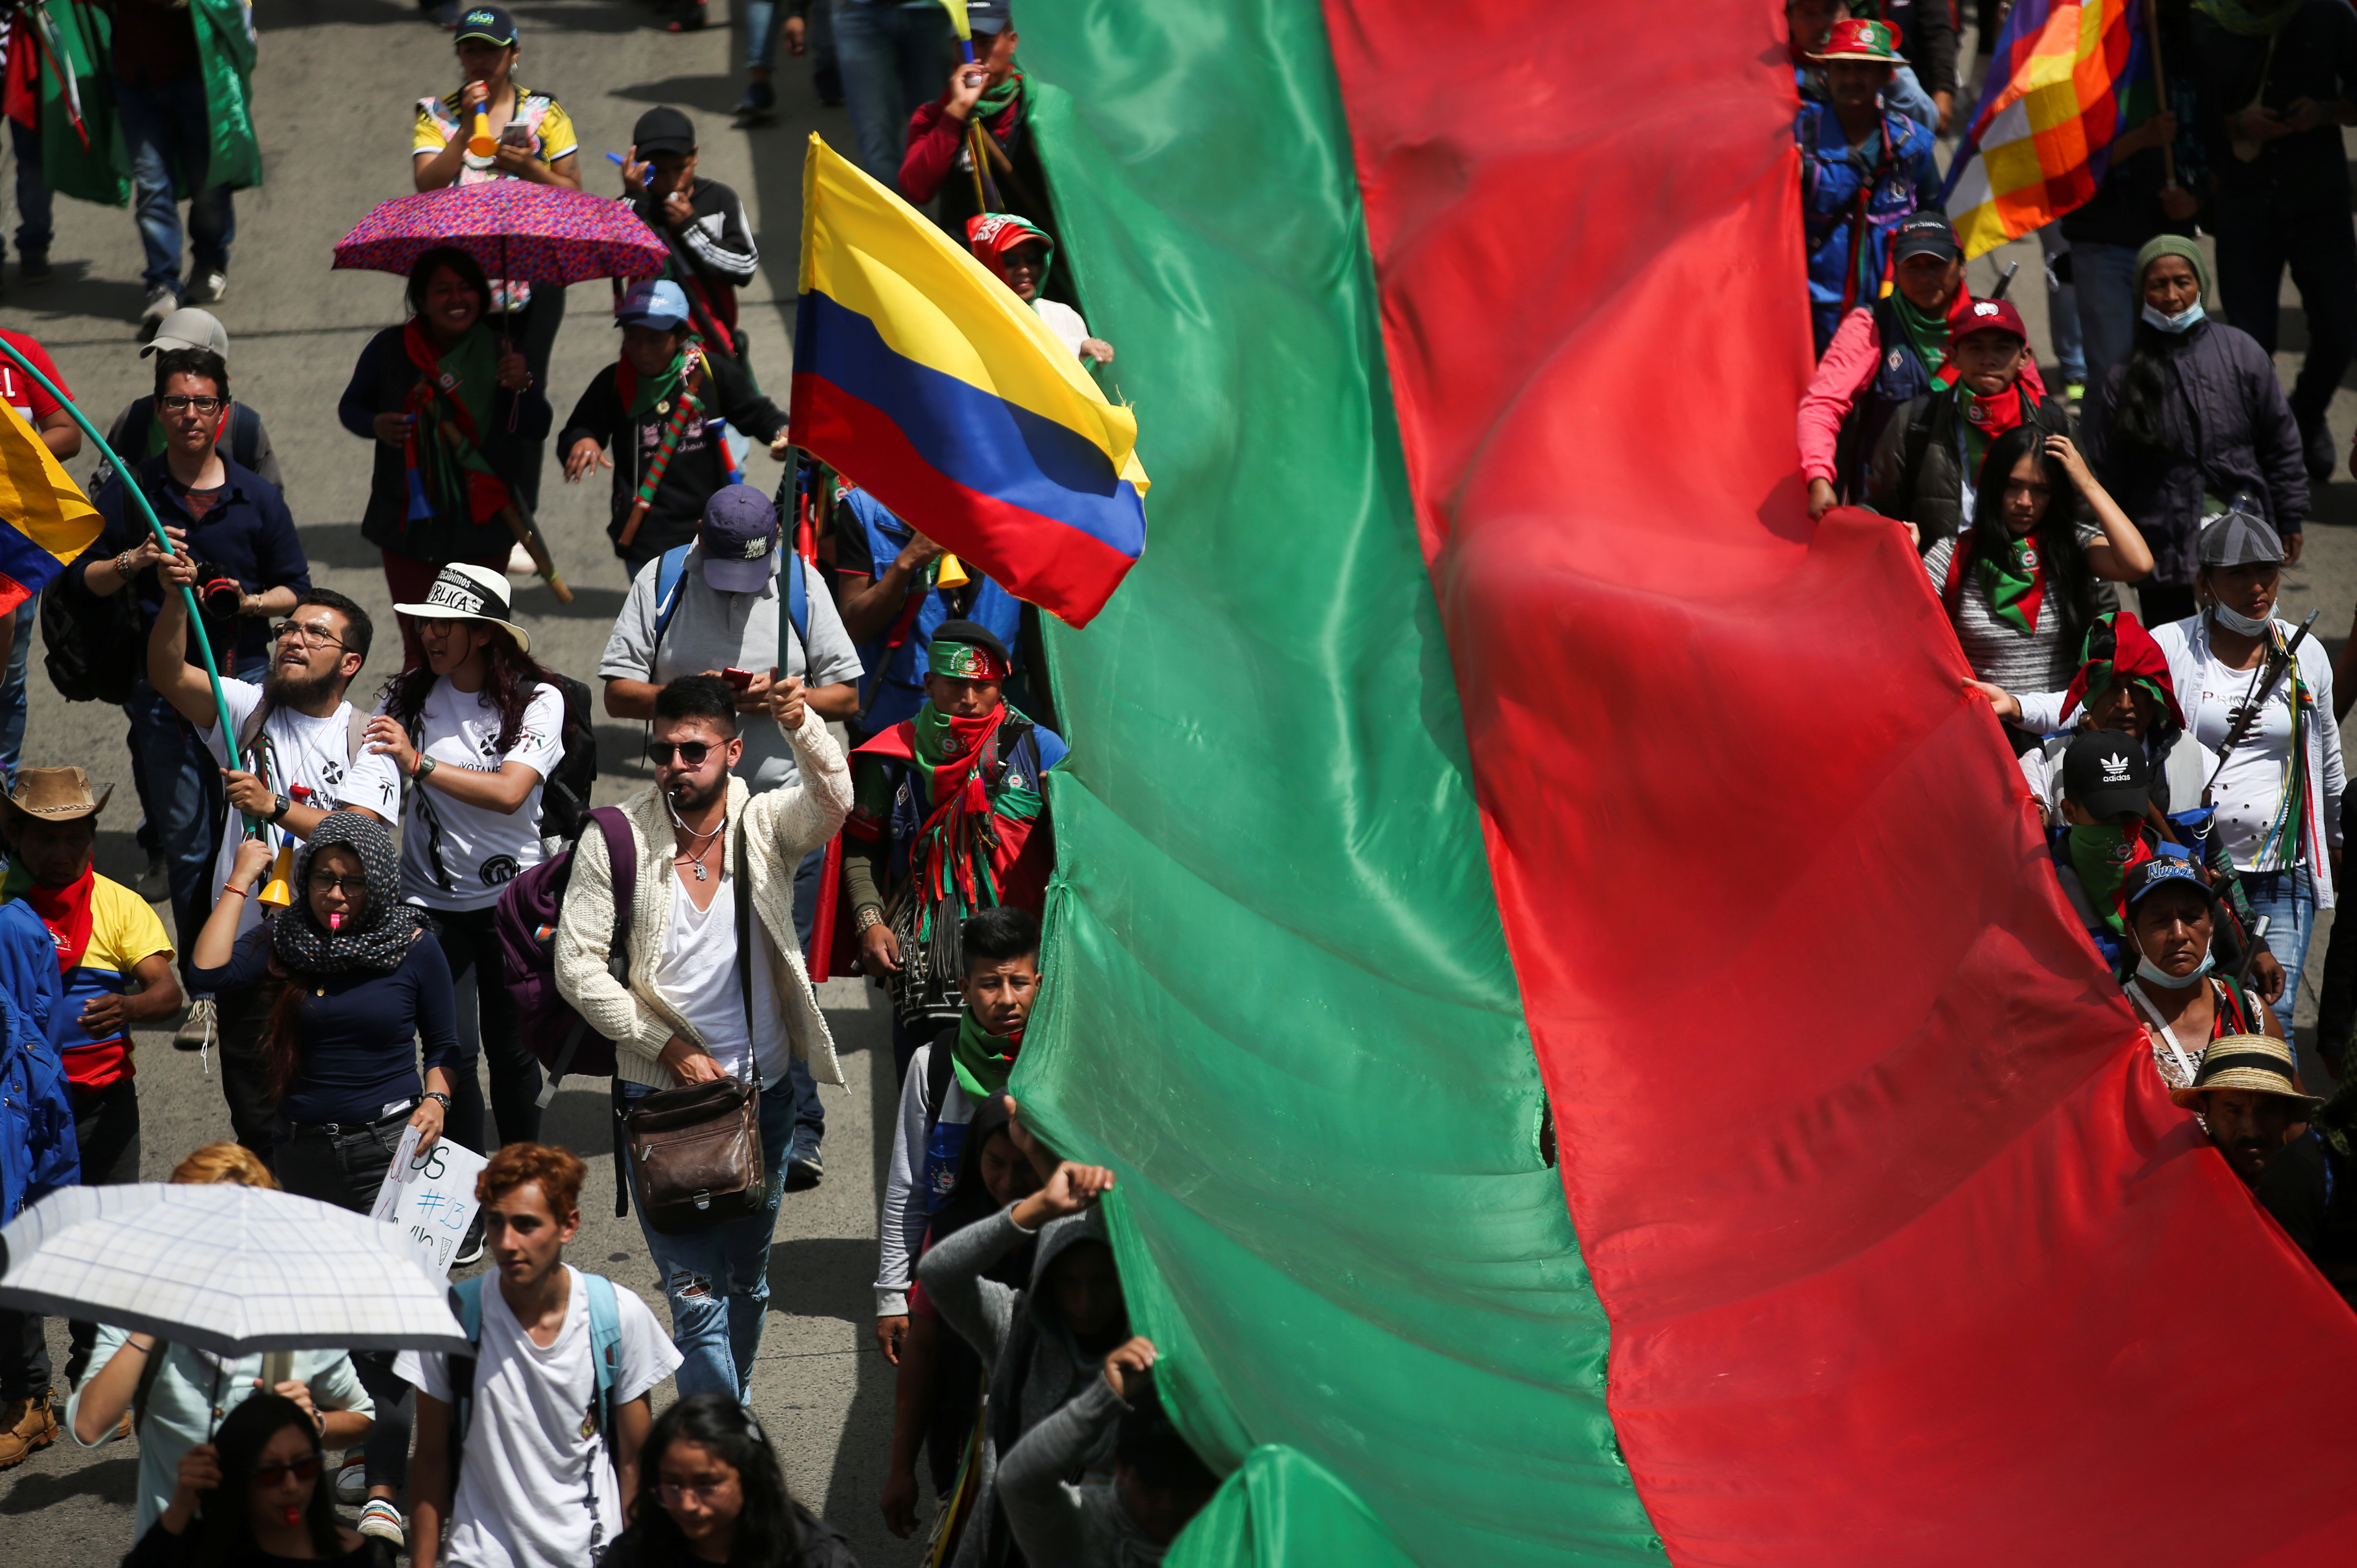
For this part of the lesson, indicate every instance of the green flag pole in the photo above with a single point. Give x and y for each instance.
(122, 472)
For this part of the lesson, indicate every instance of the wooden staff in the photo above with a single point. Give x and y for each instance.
(528, 535)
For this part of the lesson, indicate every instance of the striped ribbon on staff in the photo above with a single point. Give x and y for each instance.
(682, 412)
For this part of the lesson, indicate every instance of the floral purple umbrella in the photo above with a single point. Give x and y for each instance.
(535, 233)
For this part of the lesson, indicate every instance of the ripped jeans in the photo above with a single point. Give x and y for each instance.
(718, 1281)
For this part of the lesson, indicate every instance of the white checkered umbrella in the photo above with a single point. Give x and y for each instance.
(229, 1268)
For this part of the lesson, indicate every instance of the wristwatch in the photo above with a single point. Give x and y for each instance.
(425, 765)
(279, 806)
(437, 1094)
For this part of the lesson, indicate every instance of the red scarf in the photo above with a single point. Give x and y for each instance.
(442, 439)
(67, 912)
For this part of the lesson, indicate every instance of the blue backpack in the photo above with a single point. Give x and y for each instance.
(604, 1355)
(672, 567)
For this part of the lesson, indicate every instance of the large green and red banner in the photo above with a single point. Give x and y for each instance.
(1596, 1066)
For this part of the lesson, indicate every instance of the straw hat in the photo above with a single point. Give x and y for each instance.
(2252, 1062)
(56, 794)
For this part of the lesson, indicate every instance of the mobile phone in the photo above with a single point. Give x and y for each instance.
(515, 135)
(740, 679)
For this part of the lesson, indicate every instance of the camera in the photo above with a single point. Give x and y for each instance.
(219, 591)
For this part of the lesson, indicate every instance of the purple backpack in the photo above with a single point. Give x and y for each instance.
(525, 923)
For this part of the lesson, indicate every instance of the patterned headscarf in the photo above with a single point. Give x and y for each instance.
(378, 937)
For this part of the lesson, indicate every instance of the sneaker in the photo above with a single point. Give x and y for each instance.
(760, 103)
(196, 1031)
(155, 883)
(2075, 390)
(162, 300)
(211, 287)
(352, 1480)
(26, 1424)
(33, 266)
(519, 562)
(804, 1171)
(470, 1251)
(380, 1518)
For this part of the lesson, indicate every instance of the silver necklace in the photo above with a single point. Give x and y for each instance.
(697, 852)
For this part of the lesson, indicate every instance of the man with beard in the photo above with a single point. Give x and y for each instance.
(301, 754)
(2250, 1098)
(715, 986)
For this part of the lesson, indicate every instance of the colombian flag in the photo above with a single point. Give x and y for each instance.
(45, 520)
(2043, 137)
(929, 385)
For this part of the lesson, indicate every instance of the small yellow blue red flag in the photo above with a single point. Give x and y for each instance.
(934, 387)
(45, 520)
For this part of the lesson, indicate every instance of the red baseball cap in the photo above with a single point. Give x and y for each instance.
(1987, 315)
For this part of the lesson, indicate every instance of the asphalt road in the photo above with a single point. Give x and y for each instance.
(334, 93)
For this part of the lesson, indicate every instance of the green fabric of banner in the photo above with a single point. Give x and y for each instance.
(1279, 1003)
(1283, 1506)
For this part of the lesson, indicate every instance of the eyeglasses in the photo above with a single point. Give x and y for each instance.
(176, 403)
(311, 635)
(329, 882)
(673, 1496)
(690, 752)
(278, 1474)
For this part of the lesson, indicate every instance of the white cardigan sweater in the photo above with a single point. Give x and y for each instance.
(786, 823)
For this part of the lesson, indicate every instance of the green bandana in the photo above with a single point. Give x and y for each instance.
(649, 394)
(1926, 333)
(995, 100)
(2102, 853)
(963, 661)
(2013, 584)
(983, 1059)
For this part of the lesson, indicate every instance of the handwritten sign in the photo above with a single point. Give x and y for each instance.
(430, 1201)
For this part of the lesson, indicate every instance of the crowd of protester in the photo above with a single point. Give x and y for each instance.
(2183, 754)
(336, 846)
(338, 829)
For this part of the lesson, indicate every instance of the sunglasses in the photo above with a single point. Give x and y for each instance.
(329, 882)
(278, 1474)
(690, 752)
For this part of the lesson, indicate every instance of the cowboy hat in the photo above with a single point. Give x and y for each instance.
(2253, 1062)
(56, 794)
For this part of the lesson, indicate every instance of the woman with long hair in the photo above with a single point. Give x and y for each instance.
(2192, 425)
(252, 1497)
(2020, 585)
(365, 985)
(457, 417)
(183, 1386)
(710, 1490)
(476, 729)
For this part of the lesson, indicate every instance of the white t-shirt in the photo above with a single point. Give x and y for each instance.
(698, 976)
(1063, 321)
(480, 850)
(2250, 790)
(304, 759)
(531, 1486)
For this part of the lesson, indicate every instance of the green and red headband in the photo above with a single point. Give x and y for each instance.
(966, 661)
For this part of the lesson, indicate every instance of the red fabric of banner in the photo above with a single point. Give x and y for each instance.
(1907, 1256)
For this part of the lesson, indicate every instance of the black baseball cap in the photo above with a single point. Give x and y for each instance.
(489, 23)
(663, 129)
(987, 16)
(2105, 772)
(1925, 234)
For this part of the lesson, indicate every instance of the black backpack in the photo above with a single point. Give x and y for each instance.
(93, 649)
(565, 793)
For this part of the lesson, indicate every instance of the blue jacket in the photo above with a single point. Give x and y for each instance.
(1906, 181)
(39, 1152)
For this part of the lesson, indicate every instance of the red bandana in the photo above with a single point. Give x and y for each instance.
(67, 912)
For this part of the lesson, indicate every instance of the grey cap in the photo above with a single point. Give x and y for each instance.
(189, 328)
(2239, 539)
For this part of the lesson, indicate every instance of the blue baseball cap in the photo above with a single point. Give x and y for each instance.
(2165, 871)
(987, 16)
(740, 530)
(661, 304)
(489, 23)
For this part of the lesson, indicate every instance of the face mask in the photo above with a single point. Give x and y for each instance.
(2161, 977)
(2183, 321)
(2233, 619)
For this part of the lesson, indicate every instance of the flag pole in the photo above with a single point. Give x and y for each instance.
(123, 472)
(2159, 88)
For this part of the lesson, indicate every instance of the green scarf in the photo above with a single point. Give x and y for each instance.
(642, 394)
(1927, 333)
(2012, 585)
(995, 99)
(2102, 853)
(2250, 20)
(983, 1059)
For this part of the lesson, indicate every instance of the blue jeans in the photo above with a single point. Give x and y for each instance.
(894, 57)
(165, 128)
(2105, 279)
(2061, 306)
(33, 228)
(11, 693)
(2288, 898)
(718, 1281)
(180, 807)
(2256, 243)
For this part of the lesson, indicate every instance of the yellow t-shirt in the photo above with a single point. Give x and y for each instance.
(553, 136)
(123, 931)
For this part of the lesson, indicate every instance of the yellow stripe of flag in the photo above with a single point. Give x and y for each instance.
(38, 499)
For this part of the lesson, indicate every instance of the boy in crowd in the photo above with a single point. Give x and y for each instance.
(526, 1450)
(116, 964)
(948, 1079)
(1930, 453)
